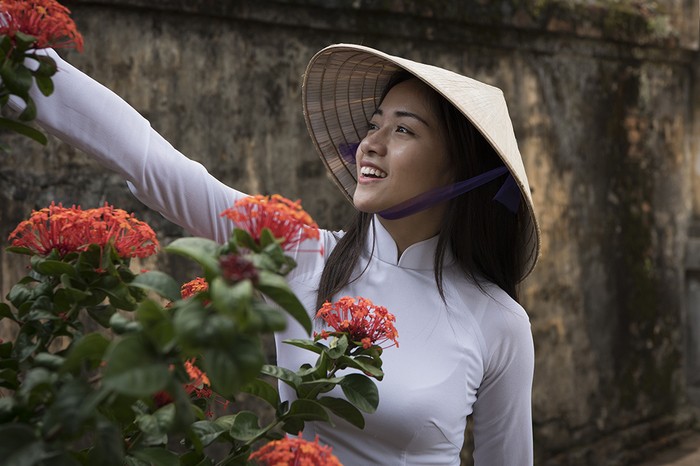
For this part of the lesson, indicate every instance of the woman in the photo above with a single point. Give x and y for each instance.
(444, 232)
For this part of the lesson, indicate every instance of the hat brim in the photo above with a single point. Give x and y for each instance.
(341, 90)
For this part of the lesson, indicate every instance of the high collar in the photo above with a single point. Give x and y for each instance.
(418, 256)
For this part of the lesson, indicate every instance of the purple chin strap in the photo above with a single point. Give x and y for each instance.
(508, 194)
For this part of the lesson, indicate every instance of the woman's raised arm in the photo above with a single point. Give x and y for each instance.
(92, 118)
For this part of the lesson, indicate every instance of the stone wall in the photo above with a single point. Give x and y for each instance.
(604, 100)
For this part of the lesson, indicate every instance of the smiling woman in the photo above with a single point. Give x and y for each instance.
(444, 231)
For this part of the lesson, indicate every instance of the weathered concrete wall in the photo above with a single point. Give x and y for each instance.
(604, 103)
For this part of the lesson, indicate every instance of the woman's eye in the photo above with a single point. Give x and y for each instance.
(403, 129)
(371, 126)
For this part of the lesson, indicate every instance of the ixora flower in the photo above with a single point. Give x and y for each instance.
(363, 322)
(294, 452)
(71, 229)
(198, 386)
(46, 20)
(285, 219)
(193, 287)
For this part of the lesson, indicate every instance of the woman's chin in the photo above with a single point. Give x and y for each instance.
(363, 205)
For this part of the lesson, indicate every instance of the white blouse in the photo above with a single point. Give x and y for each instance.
(472, 354)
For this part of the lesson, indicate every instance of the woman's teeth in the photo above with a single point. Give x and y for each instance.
(373, 172)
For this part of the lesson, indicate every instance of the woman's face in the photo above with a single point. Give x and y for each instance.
(404, 153)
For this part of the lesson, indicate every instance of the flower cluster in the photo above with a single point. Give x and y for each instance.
(47, 20)
(71, 229)
(285, 219)
(365, 323)
(193, 287)
(291, 451)
(235, 268)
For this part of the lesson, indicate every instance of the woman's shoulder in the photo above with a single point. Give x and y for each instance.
(491, 311)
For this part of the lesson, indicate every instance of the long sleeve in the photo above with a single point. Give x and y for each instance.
(503, 410)
(92, 118)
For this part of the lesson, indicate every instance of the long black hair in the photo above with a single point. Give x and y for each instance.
(486, 239)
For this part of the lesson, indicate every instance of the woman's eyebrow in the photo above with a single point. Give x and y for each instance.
(403, 113)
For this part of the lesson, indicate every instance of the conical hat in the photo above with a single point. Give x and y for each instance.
(341, 90)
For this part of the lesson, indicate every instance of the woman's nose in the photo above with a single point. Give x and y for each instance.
(373, 143)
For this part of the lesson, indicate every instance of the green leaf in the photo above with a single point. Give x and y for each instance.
(156, 456)
(157, 325)
(120, 324)
(8, 406)
(363, 365)
(307, 410)
(263, 390)
(285, 375)
(267, 238)
(265, 318)
(305, 344)
(189, 319)
(5, 349)
(293, 426)
(47, 65)
(160, 282)
(62, 414)
(232, 367)
(45, 85)
(16, 249)
(87, 351)
(276, 288)
(24, 41)
(49, 361)
(17, 78)
(203, 251)
(25, 345)
(155, 426)
(101, 313)
(245, 426)
(361, 391)
(207, 431)
(19, 294)
(108, 447)
(344, 409)
(52, 268)
(120, 297)
(19, 445)
(195, 458)
(231, 299)
(243, 238)
(8, 379)
(338, 347)
(29, 112)
(319, 370)
(6, 312)
(131, 369)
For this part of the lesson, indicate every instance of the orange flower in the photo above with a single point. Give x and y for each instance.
(294, 452)
(199, 382)
(285, 219)
(47, 20)
(73, 230)
(365, 323)
(193, 287)
(131, 237)
(198, 385)
(50, 228)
